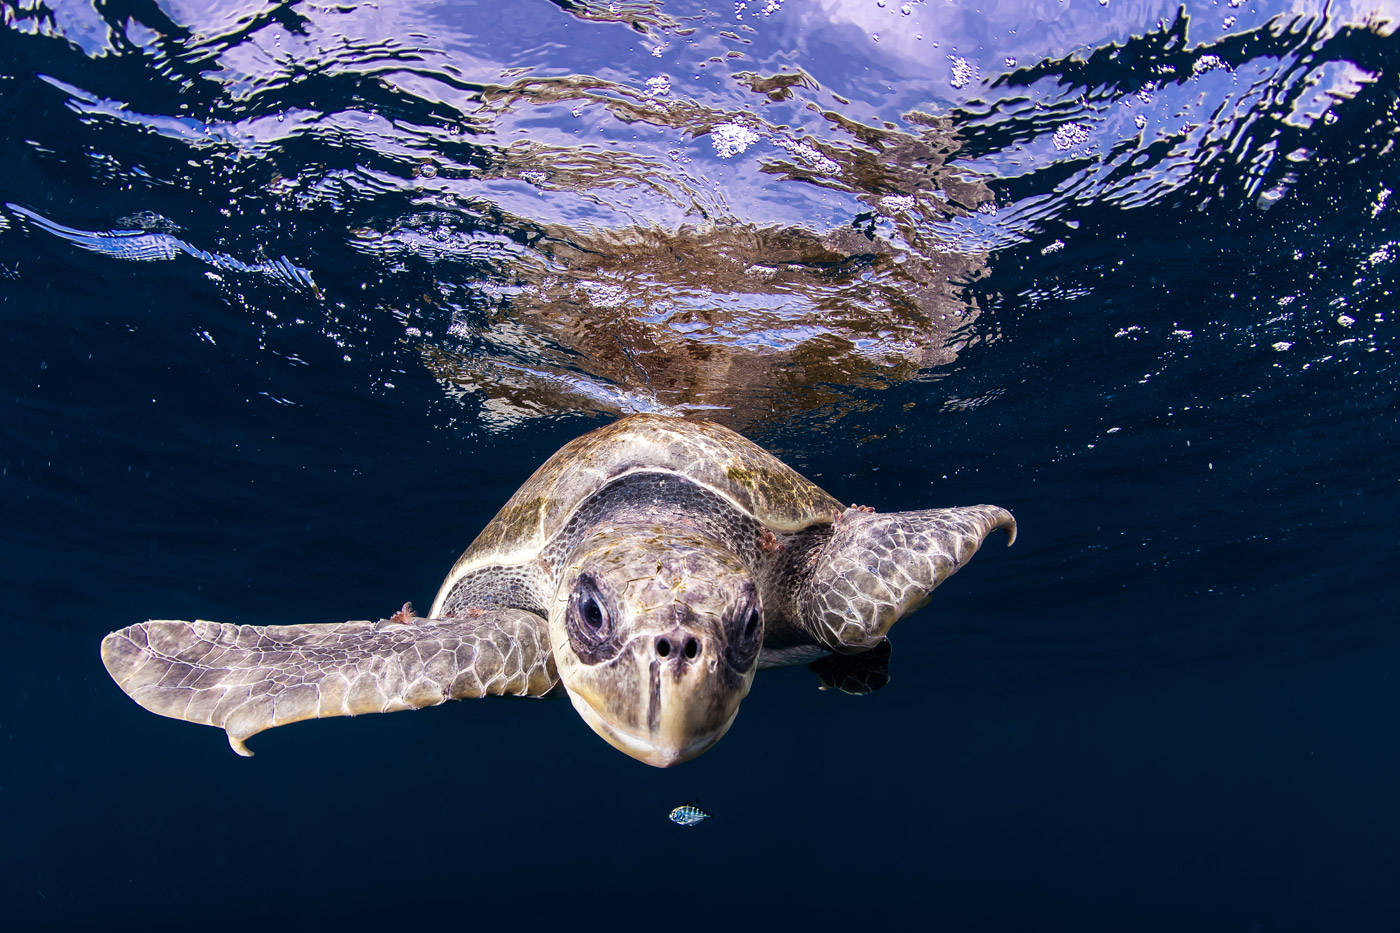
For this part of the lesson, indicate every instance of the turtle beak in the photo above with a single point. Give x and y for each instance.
(684, 696)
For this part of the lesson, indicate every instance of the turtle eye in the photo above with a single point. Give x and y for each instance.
(590, 611)
(745, 634)
(589, 622)
(751, 623)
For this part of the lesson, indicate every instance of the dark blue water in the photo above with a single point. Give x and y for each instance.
(295, 295)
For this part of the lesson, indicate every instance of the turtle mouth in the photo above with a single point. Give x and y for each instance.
(659, 754)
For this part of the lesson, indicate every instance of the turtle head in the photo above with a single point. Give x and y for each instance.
(656, 636)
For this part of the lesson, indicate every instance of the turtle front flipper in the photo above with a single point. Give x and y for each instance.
(248, 678)
(877, 568)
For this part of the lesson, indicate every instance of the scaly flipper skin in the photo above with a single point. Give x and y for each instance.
(248, 678)
(878, 568)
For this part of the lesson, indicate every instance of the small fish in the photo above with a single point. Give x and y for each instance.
(688, 814)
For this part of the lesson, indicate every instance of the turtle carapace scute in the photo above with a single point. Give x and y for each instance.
(648, 569)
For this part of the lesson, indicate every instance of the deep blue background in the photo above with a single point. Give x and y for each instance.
(1173, 704)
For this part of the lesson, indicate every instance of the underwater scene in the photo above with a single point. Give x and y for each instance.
(297, 295)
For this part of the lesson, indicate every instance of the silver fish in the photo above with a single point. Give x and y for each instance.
(688, 814)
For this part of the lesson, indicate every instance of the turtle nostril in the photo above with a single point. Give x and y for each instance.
(668, 646)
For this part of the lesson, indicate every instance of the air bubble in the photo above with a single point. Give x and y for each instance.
(730, 139)
(964, 72)
(1070, 135)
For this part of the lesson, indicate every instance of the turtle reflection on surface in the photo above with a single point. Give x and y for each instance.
(762, 315)
(645, 284)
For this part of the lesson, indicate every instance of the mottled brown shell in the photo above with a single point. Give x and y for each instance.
(715, 457)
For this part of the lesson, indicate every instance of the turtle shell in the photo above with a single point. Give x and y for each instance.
(712, 456)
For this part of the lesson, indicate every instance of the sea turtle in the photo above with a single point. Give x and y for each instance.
(649, 568)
